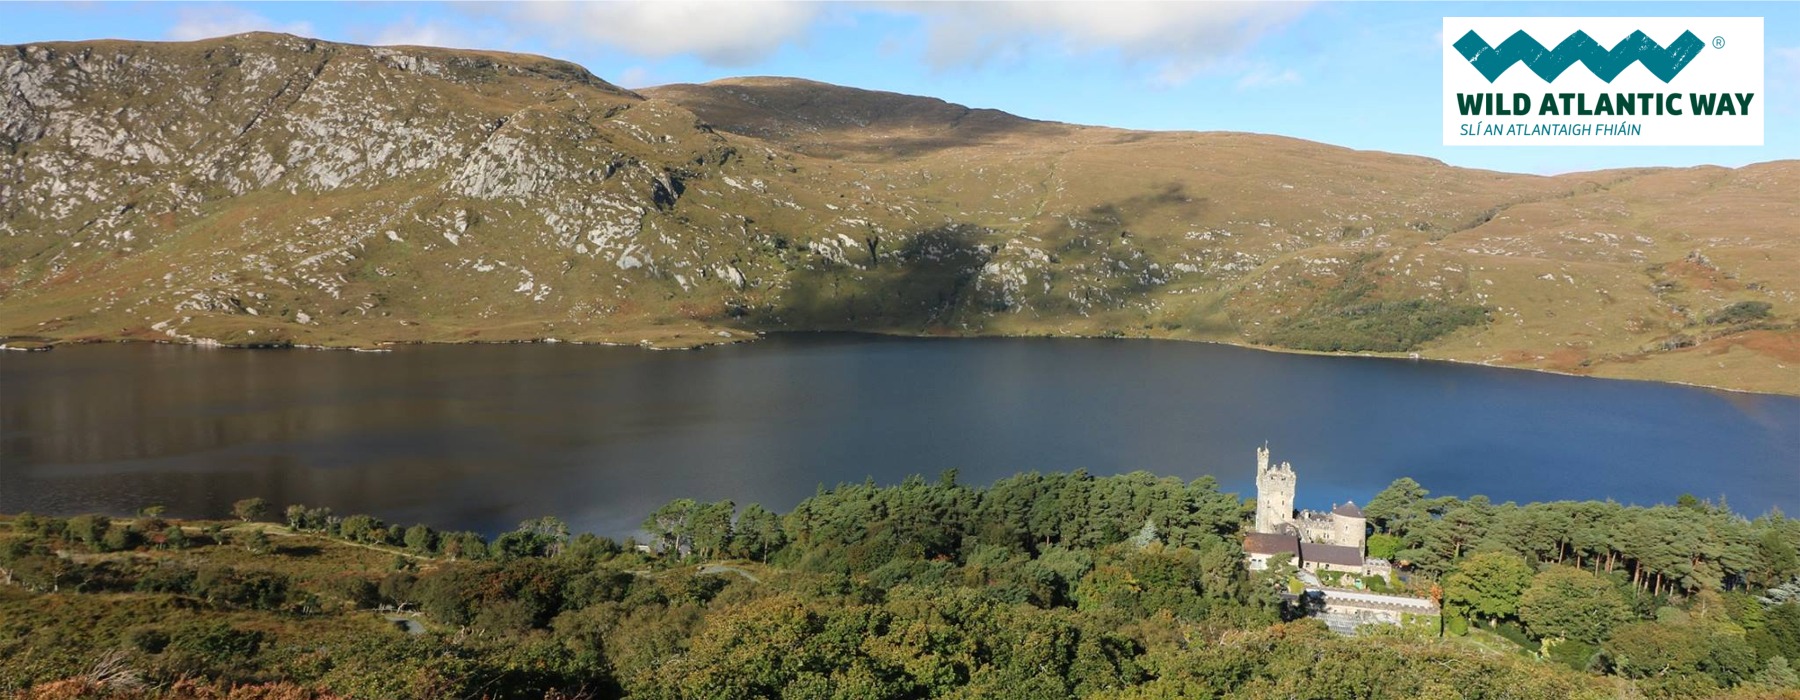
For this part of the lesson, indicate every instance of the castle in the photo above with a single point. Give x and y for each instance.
(1329, 541)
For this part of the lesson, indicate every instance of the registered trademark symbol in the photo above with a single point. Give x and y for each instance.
(1718, 42)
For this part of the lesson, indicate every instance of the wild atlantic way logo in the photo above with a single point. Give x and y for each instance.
(1640, 81)
(1606, 64)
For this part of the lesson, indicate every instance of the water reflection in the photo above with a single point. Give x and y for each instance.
(484, 436)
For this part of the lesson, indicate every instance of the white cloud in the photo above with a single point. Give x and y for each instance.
(633, 78)
(1175, 41)
(1180, 39)
(720, 33)
(1264, 76)
(223, 20)
(1168, 43)
(1783, 71)
(410, 32)
(1788, 60)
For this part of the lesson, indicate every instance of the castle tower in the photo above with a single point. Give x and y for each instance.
(1349, 528)
(1274, 493)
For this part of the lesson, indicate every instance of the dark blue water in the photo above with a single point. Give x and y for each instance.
(481, 437)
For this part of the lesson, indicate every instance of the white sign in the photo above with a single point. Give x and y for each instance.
(1603, 81)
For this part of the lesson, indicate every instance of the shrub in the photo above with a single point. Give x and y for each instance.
(359, 591)
(1515, 633)
(89, 529)
(261, 590)
(120, 539)
(1455, 623)
(399, 589)
(175, 538)
(52, 527)
(1573, 653)
(219, 640)
(450, 595)
(503, 616)
(254, 541)
(1741, 312)
(1382, 326)
(167, 579)
(150, 640)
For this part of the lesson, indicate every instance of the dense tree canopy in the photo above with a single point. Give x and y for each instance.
(1041, 585)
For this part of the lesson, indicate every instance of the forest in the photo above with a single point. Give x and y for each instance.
(1037, 586)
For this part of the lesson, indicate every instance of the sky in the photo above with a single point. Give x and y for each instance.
(1366, 75)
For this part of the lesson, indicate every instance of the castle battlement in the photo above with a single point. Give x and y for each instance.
(1322, 541)
(1342, 528)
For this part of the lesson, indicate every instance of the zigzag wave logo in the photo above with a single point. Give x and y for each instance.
(1664, 63)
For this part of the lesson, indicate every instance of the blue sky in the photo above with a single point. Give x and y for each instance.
(1363, 75)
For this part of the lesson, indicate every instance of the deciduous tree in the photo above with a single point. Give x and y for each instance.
(1488, 584)
(250, 509)
(1573, 604)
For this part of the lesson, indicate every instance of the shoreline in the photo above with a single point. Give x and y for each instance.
(743, 336)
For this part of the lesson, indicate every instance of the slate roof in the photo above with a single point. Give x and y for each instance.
(1342, 555)
(1271, 543)
(1348, 510)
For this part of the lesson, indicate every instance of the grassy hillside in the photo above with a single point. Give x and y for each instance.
(269, 189)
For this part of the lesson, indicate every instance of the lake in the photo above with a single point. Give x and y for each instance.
(483, 436)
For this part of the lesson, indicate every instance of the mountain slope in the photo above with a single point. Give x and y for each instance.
(272, 189)
(827, 120)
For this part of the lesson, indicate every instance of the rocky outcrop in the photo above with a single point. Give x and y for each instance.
(269, 189)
